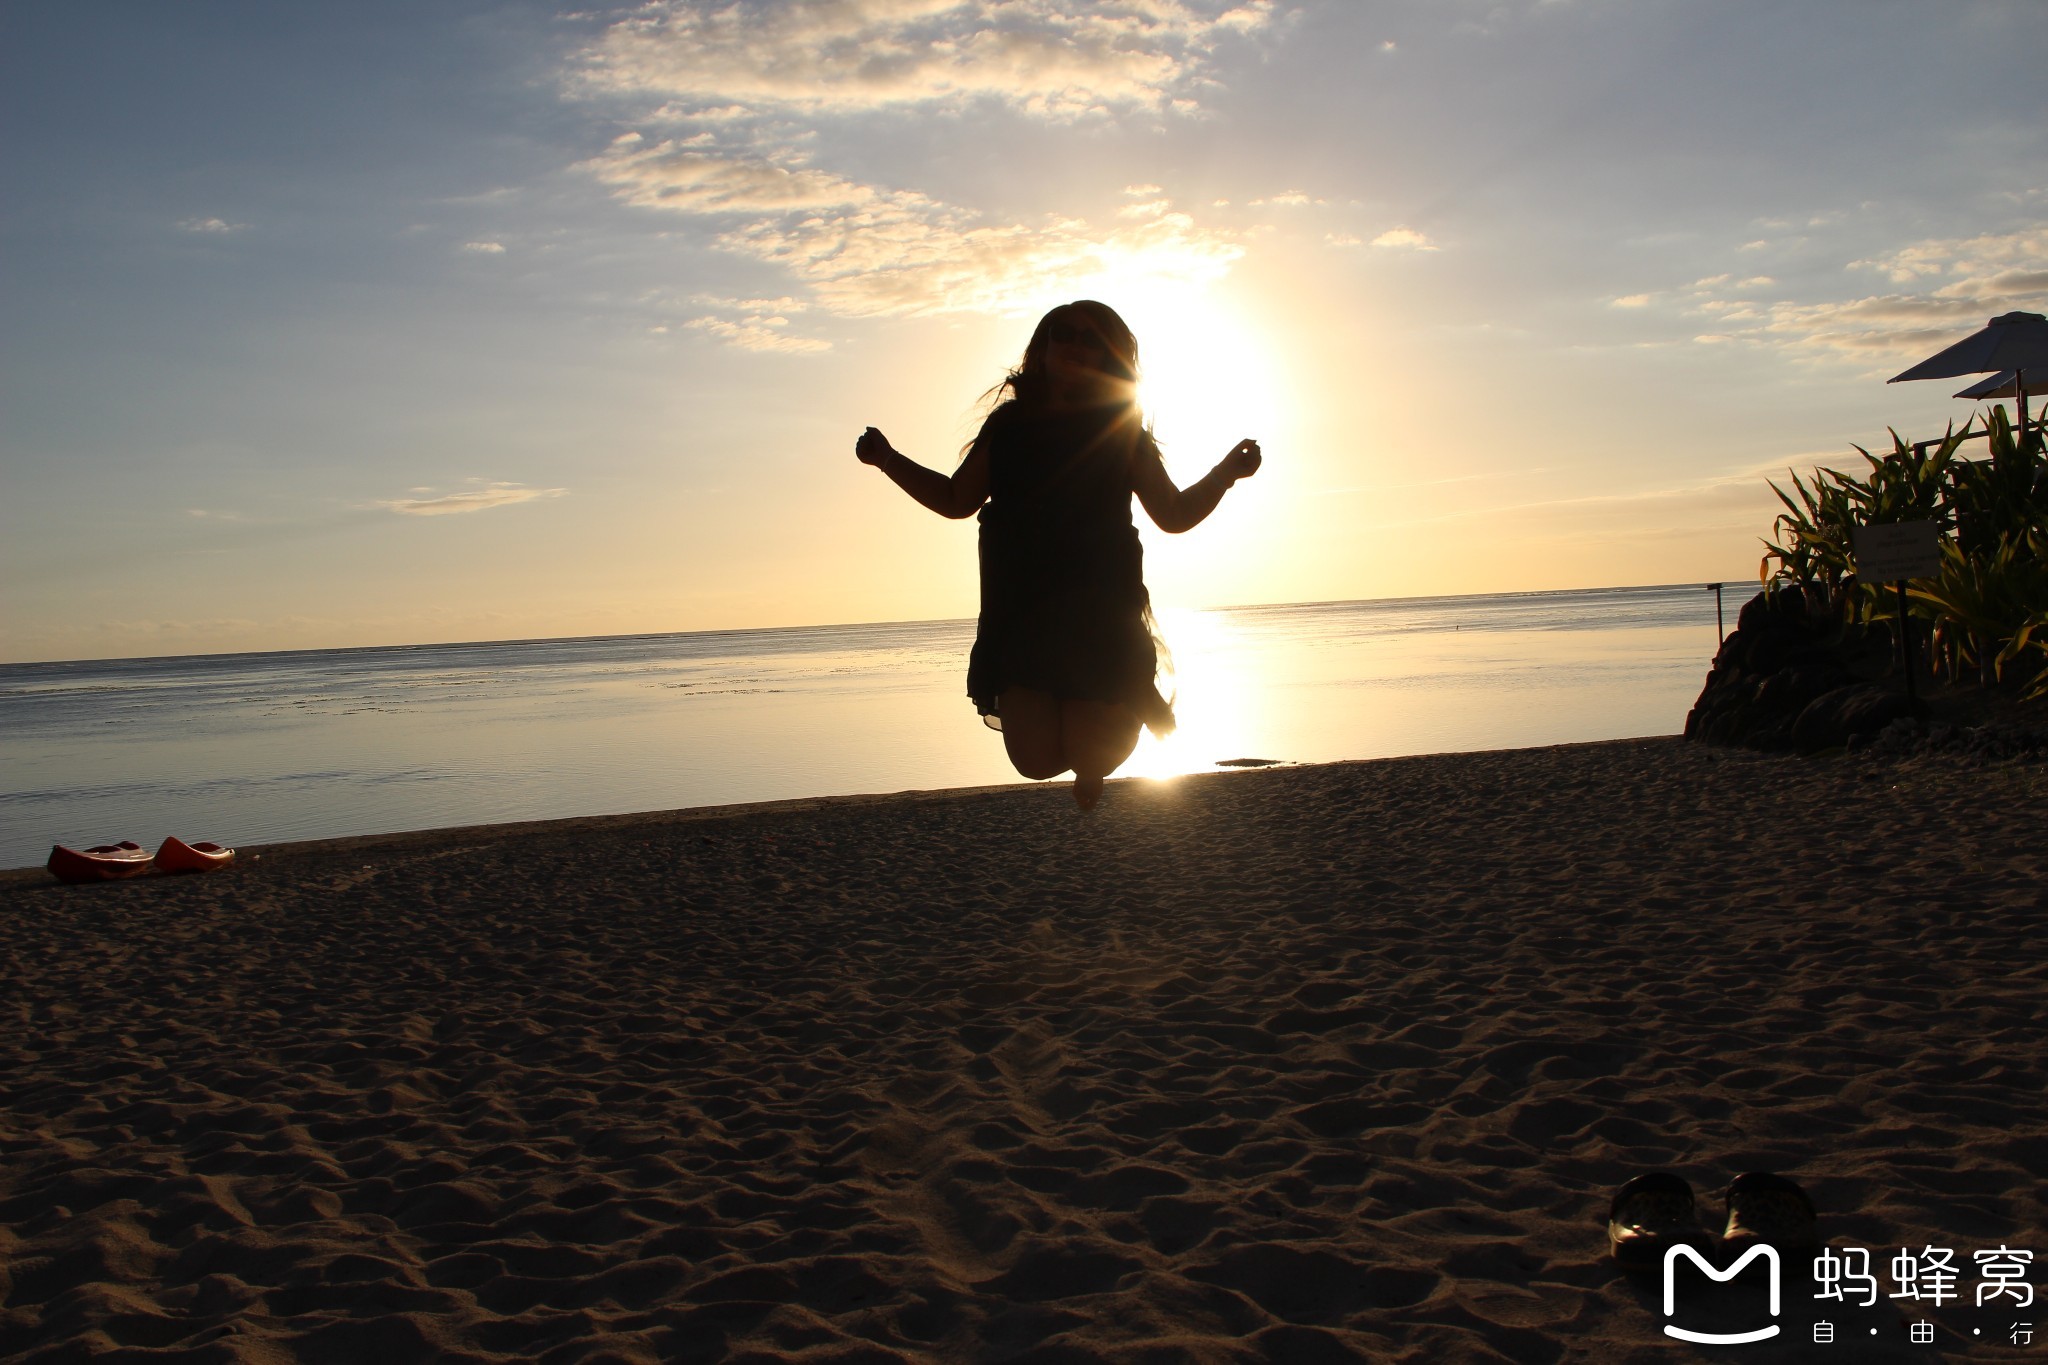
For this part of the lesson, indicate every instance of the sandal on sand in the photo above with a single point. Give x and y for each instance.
(1649, 1214)
(1768, 1208)
(178, 856)
(100, 863)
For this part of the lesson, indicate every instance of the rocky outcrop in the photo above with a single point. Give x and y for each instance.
(1791, 675)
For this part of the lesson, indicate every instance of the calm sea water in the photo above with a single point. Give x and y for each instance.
(256, 748)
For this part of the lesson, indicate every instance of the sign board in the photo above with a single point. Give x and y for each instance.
(1906, 549)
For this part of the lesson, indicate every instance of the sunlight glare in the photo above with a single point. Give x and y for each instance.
(1214, 688)
(1207, 378)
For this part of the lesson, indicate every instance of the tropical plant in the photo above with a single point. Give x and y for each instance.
(1987, 611)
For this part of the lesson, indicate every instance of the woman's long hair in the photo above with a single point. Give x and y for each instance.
(1027, 384)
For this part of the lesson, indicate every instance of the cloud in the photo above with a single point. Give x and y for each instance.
(1052, 57)
(1729, 501)
(448, 504)
(870, 251)
(760, 326)
(684, 178)
(1631, 301)
(210, 225)
(485, 248)
(910, 258)
(1974, 279)
(752, 82)
(1402, 237)
(1977, 263)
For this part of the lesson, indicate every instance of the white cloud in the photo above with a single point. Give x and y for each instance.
(485, 248)
(785, 304)
(210, 225)
(759, 334)
(866, 251)
(756, 325)
(671, 175)
(1402, 237)
(894, 260)
(1974, 278)
(1631, 301)
(1977, 262)
(478, 500)
(1053, 57)
(752, 82)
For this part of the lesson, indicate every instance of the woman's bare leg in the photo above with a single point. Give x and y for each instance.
(1098, 737)
(1031, 732)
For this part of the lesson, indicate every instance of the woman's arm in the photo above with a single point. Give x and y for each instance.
(958, 496)
(1182, 509)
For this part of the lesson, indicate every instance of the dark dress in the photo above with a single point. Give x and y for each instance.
(1063, 603)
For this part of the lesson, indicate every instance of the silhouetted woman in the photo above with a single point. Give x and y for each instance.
(1065, 654)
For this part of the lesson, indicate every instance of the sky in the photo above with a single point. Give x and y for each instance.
(389, 323)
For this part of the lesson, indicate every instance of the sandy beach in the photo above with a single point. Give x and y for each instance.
(1338, 1062)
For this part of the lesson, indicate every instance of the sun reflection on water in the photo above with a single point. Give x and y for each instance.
(1216, 690)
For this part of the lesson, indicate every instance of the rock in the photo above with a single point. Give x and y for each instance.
(1789, 653)
(1791, 690)
(1832, 718)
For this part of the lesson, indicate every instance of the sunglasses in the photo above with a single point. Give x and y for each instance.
(1068, 333)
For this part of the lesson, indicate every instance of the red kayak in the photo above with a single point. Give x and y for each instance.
(100, 863)
(178, 856)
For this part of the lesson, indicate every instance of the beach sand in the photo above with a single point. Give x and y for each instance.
(1300, 1064)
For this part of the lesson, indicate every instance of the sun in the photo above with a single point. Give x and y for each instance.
(1206, 378)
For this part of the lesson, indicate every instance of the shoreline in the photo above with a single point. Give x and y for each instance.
(501, 830)
(1336, 1061)
(506, 830)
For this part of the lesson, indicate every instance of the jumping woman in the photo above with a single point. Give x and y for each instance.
(1066, 651)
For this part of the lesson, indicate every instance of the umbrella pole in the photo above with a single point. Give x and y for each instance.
(2019, 386)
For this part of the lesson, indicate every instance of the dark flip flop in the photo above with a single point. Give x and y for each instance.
(1648, 1215)
(1768, 1208)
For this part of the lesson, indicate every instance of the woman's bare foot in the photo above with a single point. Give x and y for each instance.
(1095, 738)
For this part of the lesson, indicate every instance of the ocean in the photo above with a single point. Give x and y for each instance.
(258, 748)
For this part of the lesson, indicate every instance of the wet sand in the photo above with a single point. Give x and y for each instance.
(1322, 1063)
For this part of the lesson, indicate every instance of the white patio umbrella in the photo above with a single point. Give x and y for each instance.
(2012, 341)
